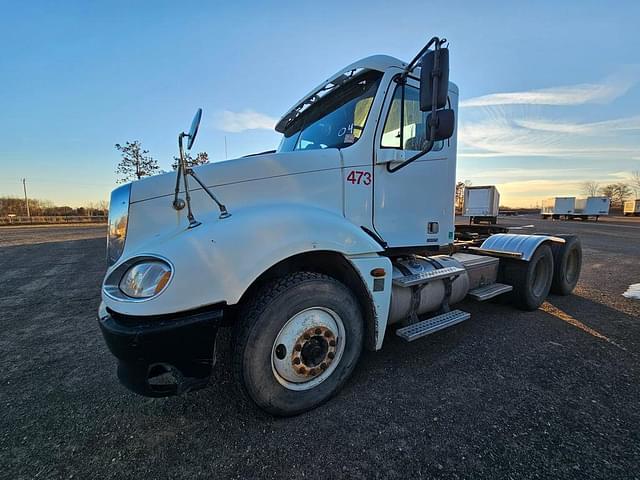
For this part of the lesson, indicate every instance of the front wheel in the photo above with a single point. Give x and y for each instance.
(298, 341)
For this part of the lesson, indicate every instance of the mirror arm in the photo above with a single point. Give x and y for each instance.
(183, 171)
(413, 63)
(434, 99)
(426, 150)
(178, 203)
(223, 210)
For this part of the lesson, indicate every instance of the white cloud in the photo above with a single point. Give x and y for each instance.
(504, 133)
(602, 128)
(234, 122)
(611, 88)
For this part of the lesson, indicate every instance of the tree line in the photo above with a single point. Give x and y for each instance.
(46, 208)
(617, 192)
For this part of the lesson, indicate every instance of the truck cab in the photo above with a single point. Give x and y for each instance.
(314, 251)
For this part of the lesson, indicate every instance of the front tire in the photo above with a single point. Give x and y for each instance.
(298, 341)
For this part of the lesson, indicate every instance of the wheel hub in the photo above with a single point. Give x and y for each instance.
(314, 351)
(308, 348)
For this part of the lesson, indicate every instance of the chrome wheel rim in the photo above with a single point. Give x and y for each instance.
(308, 348)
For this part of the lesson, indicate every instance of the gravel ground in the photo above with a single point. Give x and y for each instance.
(548, 394)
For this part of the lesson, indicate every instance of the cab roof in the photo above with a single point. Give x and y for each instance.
(374, 62)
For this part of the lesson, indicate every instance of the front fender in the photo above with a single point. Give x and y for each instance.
(217, 261)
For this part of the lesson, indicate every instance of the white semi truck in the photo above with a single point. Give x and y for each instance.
(312, 252)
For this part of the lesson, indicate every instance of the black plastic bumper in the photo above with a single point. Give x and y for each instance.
(147, 348)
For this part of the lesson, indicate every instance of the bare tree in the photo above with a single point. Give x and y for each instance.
(459, 198)
(135, 162)
(589, 188)
(635, 182)
(101, 207)
(201, 159)
(616, 192)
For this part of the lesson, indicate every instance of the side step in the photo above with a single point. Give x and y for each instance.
(489, 291)
(432, 325)
(426, 277)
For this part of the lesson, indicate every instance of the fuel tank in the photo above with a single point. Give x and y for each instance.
(432, 294)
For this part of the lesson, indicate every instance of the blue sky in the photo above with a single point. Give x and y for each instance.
(550, 91)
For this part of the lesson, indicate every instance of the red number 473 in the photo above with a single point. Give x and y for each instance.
(359, 177)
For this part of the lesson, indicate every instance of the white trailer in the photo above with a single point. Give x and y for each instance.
(481, 204)
(558, 207)
(632, 207)
(591, 207)
(313, 251)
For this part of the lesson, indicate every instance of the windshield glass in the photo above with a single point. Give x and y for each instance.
(337, 120)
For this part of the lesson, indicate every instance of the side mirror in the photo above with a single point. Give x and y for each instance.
(193, 131)
(428, 68)
(444, 124)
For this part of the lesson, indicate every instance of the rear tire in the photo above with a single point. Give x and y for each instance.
(531, 280)
(298, 341)
(567, 263)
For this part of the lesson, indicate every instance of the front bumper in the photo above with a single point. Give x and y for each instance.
(148, 348)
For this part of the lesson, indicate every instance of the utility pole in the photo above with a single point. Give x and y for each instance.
(26, 200)
(226, 157)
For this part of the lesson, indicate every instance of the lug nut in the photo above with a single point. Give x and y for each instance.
(301, 370)
(328, 334)
(296, 361)
(332, 343)
(331, 355)
(318, 331)
(307, 336)
(323, 366)
(312, 371)
(298, 347)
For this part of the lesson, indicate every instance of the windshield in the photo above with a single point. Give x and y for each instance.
(337, 120)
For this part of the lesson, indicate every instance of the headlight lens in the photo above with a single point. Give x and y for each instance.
(118, 219)
(145, 279)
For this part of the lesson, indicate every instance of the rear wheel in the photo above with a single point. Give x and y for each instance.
(567, 260)
(298, 341)
(531, 280)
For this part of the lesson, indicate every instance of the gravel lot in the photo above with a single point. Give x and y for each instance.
(548, 394)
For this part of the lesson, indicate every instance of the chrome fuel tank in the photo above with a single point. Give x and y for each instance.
(432, 294)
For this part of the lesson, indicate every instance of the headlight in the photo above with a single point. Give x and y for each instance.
(118, 219)
(145, 279)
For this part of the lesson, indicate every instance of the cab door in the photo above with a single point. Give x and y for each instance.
(413, 206)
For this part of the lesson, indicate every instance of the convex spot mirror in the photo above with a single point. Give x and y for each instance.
(193, 131)
(444, 125)
(426, 80)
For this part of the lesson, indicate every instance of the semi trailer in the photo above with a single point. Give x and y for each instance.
(481, 204)
(311, 253)
(595, 207)
(558, 207)
(632, 207)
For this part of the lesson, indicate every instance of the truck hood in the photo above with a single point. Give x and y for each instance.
(228, 172)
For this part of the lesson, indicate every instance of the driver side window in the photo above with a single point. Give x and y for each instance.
(414, 133)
